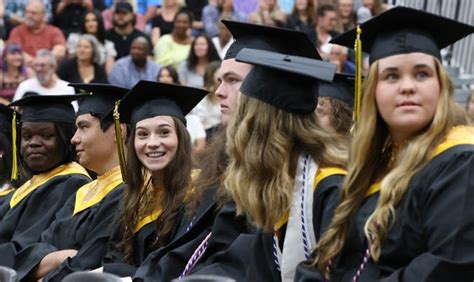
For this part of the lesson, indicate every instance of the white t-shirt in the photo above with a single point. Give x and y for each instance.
(32, 84)
(195, 128)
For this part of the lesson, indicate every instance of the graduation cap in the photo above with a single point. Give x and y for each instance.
(6, 116)
(268, 38)
(47, 108)
(287, 82)
(341, 88)
(403, 30)
(101, 100)
(149, 99)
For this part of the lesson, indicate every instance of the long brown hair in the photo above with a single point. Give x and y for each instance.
(310, 12)
(176, 183)
(366, 158)
(263, 143)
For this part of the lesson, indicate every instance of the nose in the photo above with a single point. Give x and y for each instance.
(154, 141)
(75, 139)
(35, 141)
(407, 85)
(220, 91)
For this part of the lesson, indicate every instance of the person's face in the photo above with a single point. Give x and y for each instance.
(337, 54)
(40, 147)
(324, 113)
(122, 19)
(84, 50)
(14, 59)
(156, 142)
(328, 21)
(201, 47)
(138, 51)
(44, 69)
(301, 5)
(34, 15)
(182, 24)
(91, 24)
(345, 7)
(93, 146)
(470, 107)
(230, 76)
(165, 76)
(407, 93)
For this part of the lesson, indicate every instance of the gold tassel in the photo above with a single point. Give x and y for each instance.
(118, 140)
(15, 170)
(358, 76)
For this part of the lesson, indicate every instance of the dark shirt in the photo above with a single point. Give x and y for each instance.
(69, 71)
(164, 26)
(69, 20)
(123, 42)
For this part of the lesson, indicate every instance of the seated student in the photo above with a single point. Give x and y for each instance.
(231, 235)
(405, 211)
(47, 125)
(158, 172)
(82, 227)
(284, 176)
(6, 156)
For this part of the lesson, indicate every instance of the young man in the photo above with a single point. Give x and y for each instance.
(77, 239)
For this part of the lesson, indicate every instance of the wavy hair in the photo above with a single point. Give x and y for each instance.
(177, 180)
(263, 144)
(212, 54)
(368, 154)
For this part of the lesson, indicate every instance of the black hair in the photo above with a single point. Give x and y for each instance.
(100, 25)
(212, 54)
(65, 132)
(173, 73)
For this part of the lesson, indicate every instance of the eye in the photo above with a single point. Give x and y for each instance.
(164, 132)
(422, 75)
(391, 76)
(47, 136)
(141, 134)
(25, 137)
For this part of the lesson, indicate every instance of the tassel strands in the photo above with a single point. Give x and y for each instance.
(118, 140)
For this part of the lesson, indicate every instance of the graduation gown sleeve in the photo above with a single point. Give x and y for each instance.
(91, 247)
(24, 223)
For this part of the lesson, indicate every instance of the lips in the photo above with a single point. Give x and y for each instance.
(407, 104)
(35, 154)
(155, 155)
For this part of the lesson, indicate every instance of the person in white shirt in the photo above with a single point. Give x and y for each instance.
(46, 81)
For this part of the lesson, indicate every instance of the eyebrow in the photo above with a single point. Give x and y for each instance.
(227, 74)
(83, 123)
(160, 125)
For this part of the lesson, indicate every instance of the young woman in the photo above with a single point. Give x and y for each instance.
(168, 74)
(92, 23)
(173, 48)
(12, 72)
(191, 72)
(85, 66)
(158, 173)
(268, 13)
(303, 17)
(162, 23)
(405, 211)
(47, 125)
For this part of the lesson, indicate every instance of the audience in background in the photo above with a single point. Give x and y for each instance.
(173, 48)
(470, 106)
(134, 67)
(338, 55)
(215, 10)
(123, 32)
(326, 20)
(12, 71)
(91, 23)
(191, 71)
(303, 17)
(223, 41)
(162, 23)
(168, 74)
(68, 13)
(46, 82)
(35, 33)
(268, 13)
(85, 66)
(108, 14)
(346, 16)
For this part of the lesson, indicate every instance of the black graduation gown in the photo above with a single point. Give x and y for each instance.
(143, 246)
(23, 224)
(87, 231)
(168, 262)
(4, 196)
(262, 266)
(432, 238)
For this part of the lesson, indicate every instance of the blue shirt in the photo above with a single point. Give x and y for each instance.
(125, 74)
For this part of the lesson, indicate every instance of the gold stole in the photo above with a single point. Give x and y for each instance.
(40, 179)
(93, 192)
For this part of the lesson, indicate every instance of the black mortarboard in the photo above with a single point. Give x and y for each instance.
(149, 99)
(341, 88)
(287, 82)
(101, 100)
(403, 30)
(47, 108)
(268, 38)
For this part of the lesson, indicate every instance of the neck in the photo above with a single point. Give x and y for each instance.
(36, 28)
(124, 30)
(84, 62)
(107, 165)
(13, 71)
(321, 30)
(50, 83)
